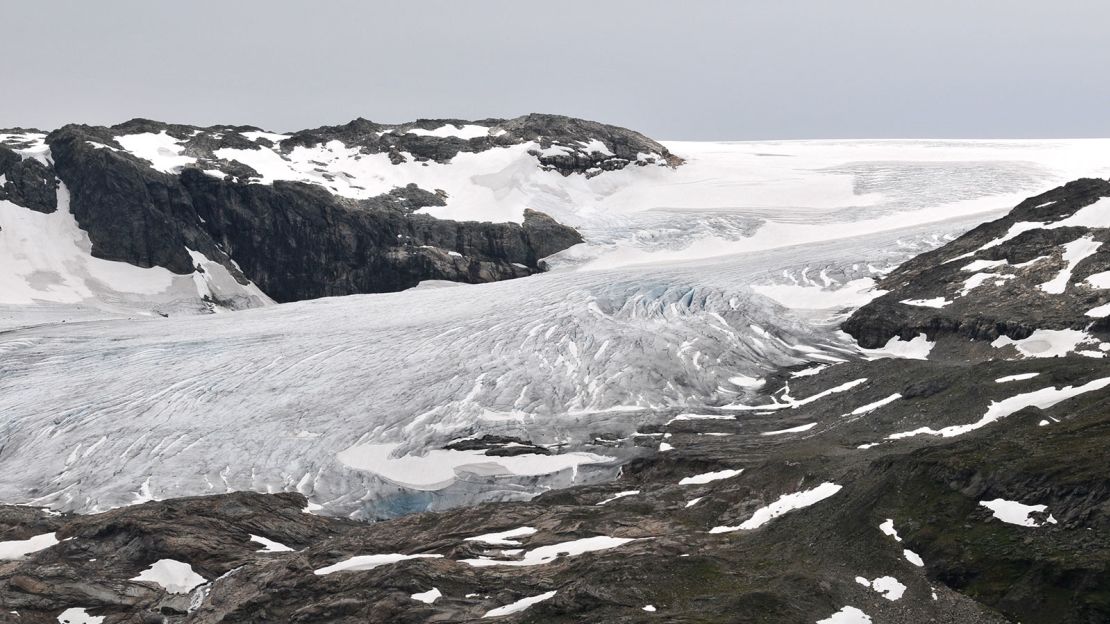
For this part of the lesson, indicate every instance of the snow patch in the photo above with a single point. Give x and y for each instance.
(369, 562)
(503, 538)
(809, 372)
(1099, 280)
(1045, 343)
(78, 615)
(979, 265)
(709, 477)
(913, 558)
(887, 527)
(916, 349)
(1018, 377)
(165, 153)
(18, 549)
(1074, 253)
(546, 554)
(786, 503)
(798, 429)
(1013, 512)
(176, 577)
(790, 403)
(427, 597)
(269, 546)
(936, 302)
(888, 586)
(847, 615)
(619, 495)
(465, 131)
(1096, 215)
(519, 605)
(870, 407)
(1043, 399)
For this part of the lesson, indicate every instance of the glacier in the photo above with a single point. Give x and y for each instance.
(692, 282)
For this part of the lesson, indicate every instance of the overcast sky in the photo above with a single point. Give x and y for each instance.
(684, 69)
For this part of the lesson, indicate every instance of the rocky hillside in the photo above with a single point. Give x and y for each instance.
(965, 487)
(330, 211)
(1035, 280)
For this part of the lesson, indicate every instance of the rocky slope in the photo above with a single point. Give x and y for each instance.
(1043, 267)
(968, 486)
(329, 211)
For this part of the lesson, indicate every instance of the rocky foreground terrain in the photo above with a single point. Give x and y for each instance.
(962, 482)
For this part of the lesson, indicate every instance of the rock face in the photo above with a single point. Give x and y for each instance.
(28, 183)
(313, 213)
(1026, 271)
(962, 489)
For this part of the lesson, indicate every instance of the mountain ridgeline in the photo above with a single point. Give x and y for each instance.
(330, 213)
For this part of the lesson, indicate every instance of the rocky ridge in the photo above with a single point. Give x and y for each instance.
(1041, 267)
(154, 195)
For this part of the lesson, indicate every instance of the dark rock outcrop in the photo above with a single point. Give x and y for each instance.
(1009, 299)
(623, 146)
(27, 182)
(294, 240)
(298, 240)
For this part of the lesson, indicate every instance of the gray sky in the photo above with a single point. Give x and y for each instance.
(683, 69)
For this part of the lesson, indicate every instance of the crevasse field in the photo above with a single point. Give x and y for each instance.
(693, 283)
